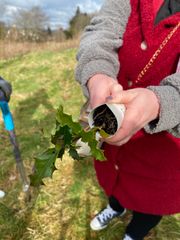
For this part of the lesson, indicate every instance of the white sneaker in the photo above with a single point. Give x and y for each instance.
(126, 237)
(2, 193)
(101, 220)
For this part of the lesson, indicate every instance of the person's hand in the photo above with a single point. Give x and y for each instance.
(6, 88)
(100, 87)
(142, 106)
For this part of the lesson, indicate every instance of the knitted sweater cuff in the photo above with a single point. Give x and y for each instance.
(99, 66)
(169, 109)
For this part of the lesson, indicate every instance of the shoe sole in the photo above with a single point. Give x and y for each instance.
(101, 228)
(96, 228)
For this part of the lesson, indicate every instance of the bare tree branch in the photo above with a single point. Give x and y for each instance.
(34, 18)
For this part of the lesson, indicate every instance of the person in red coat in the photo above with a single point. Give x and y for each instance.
(129, 54)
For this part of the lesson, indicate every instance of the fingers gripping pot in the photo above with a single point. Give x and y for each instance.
(107, 117)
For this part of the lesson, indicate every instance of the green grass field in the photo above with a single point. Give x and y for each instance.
(62, 209)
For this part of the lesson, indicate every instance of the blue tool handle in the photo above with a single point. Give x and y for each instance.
(7, 116)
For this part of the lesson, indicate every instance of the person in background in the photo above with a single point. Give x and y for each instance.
(6, 90)
(129, 54)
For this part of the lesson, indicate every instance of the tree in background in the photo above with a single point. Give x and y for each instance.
(32, 24)
(77, 24)
(59, 35)
(2, 24)
(2, 30)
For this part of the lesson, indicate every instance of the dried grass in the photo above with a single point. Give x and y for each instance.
(9, 49)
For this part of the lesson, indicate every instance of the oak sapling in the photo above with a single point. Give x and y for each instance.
(69, 136)
(66, 134)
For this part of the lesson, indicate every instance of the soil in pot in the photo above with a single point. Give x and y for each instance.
(104, 118)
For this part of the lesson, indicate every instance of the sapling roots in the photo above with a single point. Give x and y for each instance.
(104, 118)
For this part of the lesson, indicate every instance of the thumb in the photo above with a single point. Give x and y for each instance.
(115, 89)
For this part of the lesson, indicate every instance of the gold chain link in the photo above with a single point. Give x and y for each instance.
(157, 52)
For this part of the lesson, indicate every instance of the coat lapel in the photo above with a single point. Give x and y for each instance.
(150, 31)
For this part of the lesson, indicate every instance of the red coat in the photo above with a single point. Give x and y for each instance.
(144, 174)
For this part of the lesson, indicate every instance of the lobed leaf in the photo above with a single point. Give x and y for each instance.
(44, 166)
(65, 119)
(66, 133)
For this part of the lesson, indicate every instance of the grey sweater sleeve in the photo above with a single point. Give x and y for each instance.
(168, 94)
(98, 51)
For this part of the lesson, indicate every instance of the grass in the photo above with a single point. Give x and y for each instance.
(62, 209)
(10, 49)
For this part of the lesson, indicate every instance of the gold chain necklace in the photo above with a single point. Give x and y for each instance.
(156, 54)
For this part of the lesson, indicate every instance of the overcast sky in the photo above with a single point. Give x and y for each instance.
(59, 11)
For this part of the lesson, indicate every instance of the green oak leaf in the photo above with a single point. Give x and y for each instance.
(64, 138)
(65, 119)
(74, 154)
(90, 138)
(44, 166)
(96, 152)
(103, 133)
